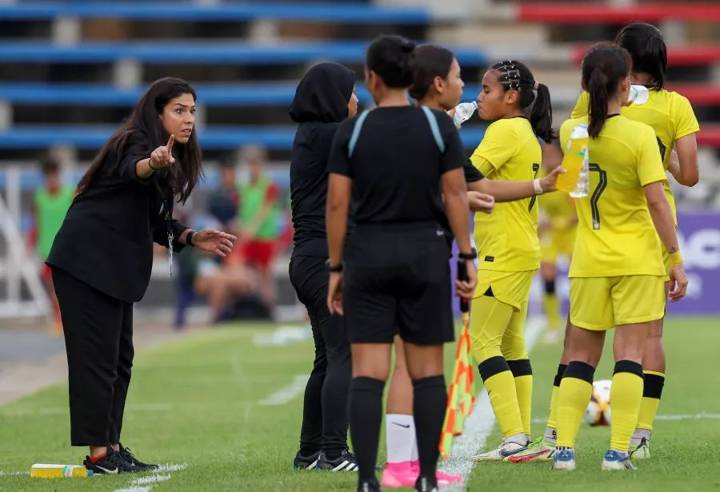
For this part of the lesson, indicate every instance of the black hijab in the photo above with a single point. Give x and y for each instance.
(323, 94)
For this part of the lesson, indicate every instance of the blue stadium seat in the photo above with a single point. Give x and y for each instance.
(357, 13)
(266, 94)
(212, 138)
(201, 52)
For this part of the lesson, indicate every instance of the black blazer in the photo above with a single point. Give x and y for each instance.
(107, 236)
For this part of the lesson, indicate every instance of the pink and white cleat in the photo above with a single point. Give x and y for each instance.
(405, 473)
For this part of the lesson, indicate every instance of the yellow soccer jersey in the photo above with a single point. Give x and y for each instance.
(668, 113)
(507, 238)
(616, 236)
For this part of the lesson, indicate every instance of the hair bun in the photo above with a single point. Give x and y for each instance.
(407, 47)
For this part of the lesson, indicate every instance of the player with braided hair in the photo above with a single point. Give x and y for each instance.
(508, 247)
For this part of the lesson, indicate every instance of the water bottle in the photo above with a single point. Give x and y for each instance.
(639, 94)
(463, 112)
(576, 161)
(41, 470)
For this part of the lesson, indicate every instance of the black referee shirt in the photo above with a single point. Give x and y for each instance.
(396, 165)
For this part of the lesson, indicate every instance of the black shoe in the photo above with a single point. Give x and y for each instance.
(138, 465)
(425, 484)
(345, 462)
(110, 464)
(306, 462)
(369, 486)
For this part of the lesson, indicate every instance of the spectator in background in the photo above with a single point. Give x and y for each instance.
(223, 203)
(50, 204)
(259, 221)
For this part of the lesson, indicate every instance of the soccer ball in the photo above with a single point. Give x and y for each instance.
(598, 410)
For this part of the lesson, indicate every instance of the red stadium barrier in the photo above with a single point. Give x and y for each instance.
(709, 135)
(573, 13)
(703, 94)
(678, 56)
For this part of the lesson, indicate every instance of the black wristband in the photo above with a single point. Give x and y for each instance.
(334, 268)
(188, 238)
(151, 166)
(468, 256)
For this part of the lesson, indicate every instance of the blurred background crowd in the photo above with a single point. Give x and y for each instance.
(71, 70)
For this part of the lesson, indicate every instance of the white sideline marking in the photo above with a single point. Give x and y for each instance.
(149, 480)
(479, 424)
(144, 484)
(284, 395)
(14, 474)
(283, 336)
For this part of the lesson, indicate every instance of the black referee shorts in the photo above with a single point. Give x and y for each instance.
(397, 281)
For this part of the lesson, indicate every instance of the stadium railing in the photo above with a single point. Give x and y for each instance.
(602, 13)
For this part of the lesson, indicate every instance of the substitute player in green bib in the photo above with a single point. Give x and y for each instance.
(50, 204)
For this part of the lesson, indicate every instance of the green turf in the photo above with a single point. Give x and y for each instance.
(195, 401)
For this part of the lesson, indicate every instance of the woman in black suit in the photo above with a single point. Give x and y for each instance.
(102, 257)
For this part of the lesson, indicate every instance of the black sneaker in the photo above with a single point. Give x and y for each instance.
(110, 464)
(345, 462)
(369, 486)
(425, 484)
(138, 465)
(306, 462)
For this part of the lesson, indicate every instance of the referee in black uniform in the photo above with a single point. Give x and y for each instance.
(323, 99)
(397, 162)
(102, 256)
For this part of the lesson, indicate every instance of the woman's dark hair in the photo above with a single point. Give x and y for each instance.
(517, 76)
(430, 62)
(144, 123)
(604, 66)
(647, 48)
(393, 59)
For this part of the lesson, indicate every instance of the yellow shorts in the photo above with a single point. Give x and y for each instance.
(601, 303)
(512, 288)
(557, 242)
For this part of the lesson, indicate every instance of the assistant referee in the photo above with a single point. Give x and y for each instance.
(396, 161)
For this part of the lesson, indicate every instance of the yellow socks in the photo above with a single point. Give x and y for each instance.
(652, 391)
(625, 395)
(500, 385)
(573, 397)
(522, 372)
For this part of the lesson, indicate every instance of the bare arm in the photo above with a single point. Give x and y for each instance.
(686, 172)
(456, 207)
(662, 218)
(336, 213)
(509, 191)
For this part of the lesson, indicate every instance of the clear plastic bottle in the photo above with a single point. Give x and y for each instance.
(639, 94)
(576, 179)
(463, 112)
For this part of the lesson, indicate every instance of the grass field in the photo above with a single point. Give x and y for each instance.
(211, 405)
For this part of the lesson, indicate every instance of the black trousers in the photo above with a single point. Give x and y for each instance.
(98, 341)
(325, 418)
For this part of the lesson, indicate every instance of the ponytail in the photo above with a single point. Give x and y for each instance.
(541, 114)
(597, 88)
(515, 75)
(603, 67)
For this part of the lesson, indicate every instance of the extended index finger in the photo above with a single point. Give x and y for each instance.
(170, 143)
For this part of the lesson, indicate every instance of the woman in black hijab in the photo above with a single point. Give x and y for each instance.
(324, 98)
